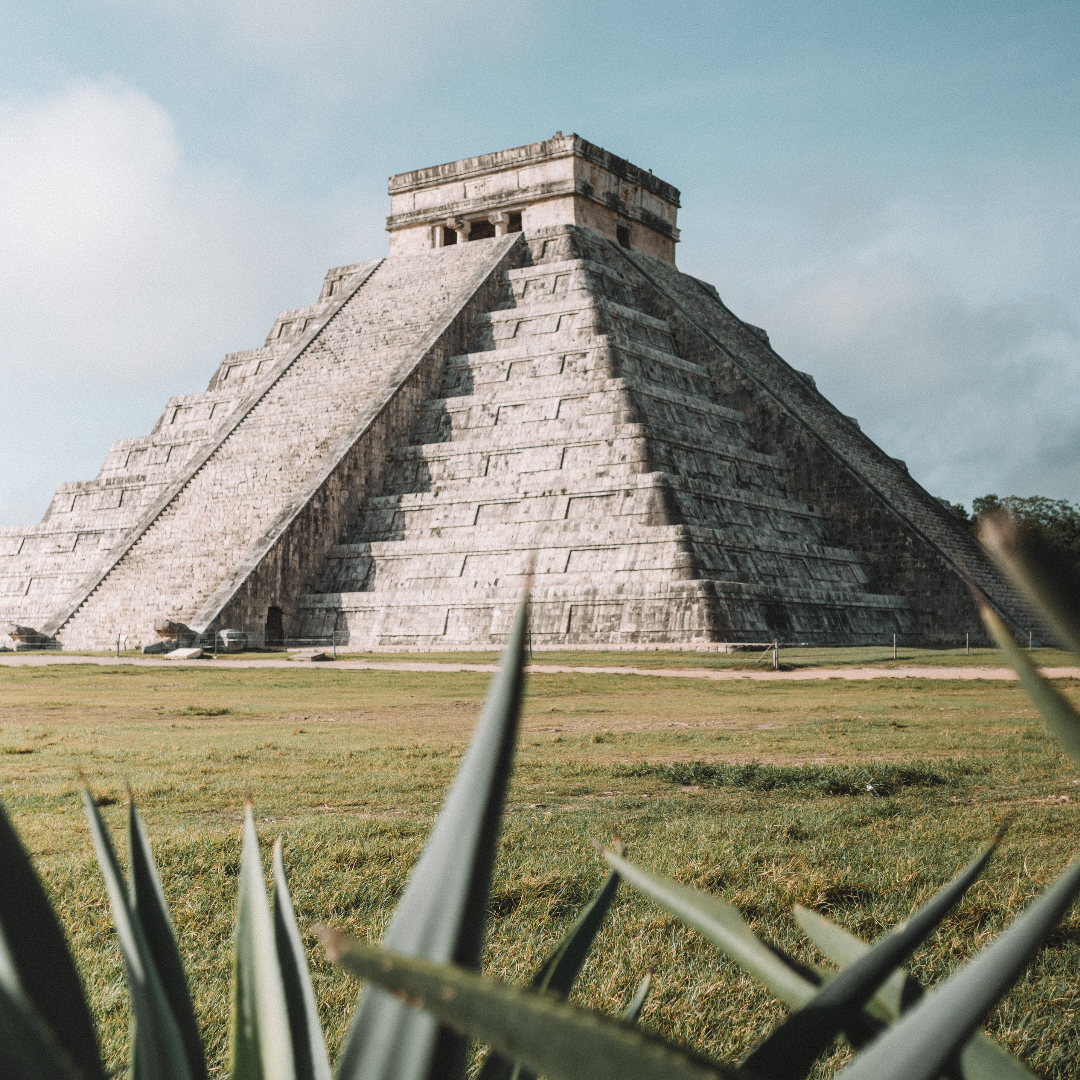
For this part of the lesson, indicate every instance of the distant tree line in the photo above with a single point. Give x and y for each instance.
(1057, 519)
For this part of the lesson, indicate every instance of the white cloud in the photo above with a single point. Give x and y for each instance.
(947, 320)
(976, 395)
(341, 48)
(126, 273)
(107, 240)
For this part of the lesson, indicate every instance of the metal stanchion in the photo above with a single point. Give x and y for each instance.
(967, 643)
(894, 646)
(776, 654)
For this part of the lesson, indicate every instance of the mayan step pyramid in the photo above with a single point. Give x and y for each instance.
(525, 386)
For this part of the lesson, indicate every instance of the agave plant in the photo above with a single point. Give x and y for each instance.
(46, 1030)
(424, 997)
(899, 1030)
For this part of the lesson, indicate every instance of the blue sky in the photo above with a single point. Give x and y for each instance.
(890, 190)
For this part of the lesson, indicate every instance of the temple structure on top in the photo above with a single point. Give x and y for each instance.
(526, 385)
(564, 181)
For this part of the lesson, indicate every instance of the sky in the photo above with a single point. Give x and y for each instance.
(890, 190)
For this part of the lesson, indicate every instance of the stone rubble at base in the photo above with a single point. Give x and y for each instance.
(559, 404)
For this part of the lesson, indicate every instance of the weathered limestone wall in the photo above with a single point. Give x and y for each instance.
(912, 546)
(286, 560)
(561, 181)
(574, 440)
(199, 545)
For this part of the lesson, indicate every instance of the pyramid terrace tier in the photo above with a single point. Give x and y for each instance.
(580, 456)
(636, 500)
(573, 398)
(615, 354)
(676, 612)
(583, 552)
(605, 440)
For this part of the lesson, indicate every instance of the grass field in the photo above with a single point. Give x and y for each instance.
(350, 766)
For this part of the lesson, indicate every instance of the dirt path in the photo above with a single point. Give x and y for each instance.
(851, 673)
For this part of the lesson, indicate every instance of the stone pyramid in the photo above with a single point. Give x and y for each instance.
(526, 385)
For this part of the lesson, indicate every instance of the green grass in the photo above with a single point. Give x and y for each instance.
(754, 790)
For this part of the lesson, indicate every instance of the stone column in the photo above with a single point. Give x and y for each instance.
(460, 227)
(501, 220)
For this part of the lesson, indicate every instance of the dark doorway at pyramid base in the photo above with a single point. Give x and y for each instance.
(274, 633)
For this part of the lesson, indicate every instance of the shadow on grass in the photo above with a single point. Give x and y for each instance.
(874, 780)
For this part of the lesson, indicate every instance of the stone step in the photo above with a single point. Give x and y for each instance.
(569, 436)
(466, 374)
(574, 536)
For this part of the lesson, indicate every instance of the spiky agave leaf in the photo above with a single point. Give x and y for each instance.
(1059, 714)
(559, 970)
(720, 923)
(441, 916)
(1047, 576)
(551, 1036)
(39, 959)
(895, 992)
(260, 1041)
(723, 925)
(789, 1051)
(28, 1048)
(632, 1012)
(982, 1058)
(152, 913)
(158, 1052)
(309, 1045)
(920, 1044)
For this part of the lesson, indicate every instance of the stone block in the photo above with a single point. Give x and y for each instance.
(231, 640)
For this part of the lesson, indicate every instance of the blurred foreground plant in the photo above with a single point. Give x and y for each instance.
(424, 997)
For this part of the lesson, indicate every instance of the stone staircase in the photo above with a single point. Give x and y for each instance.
(573, 442)
(205, 529)
(43, 565)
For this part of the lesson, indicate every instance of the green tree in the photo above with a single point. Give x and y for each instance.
(1057, 520)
